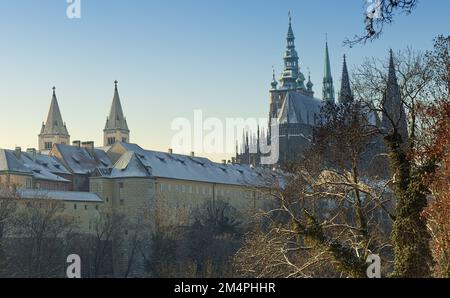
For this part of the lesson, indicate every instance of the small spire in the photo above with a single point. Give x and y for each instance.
(54, 90)
(115, 84)
(290, 34)
(309, 85)
(392, 75)
(274, 80)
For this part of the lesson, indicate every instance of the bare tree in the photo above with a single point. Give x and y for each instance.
(330, 216)
(40, 237)
(379, 14)
(416, 73)
(8, 208)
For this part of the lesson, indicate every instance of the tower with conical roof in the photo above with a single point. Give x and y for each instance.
(116, 127)
(328, 88)
(394, 117)
(54, 130)
(345, 95)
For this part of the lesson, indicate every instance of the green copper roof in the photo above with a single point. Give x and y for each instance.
(327, 70)
(328, 88)
(345, 95)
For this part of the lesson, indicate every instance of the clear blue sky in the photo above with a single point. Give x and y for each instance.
(171, 57)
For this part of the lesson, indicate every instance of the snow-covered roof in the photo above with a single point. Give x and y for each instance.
(9, 163)
(82, 160)
(39, 166)
(139, 162)
(299, 109)
(74, 196)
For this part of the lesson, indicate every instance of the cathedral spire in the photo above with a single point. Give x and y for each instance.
(54, 131)
(116, 127)
(393, 110)
(345, 95)
(328, 88)
(291, 68)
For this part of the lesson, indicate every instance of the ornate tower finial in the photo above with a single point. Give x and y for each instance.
(115, 84)
(290, 16)
(54, 90)
(309, 85)
(274, 83)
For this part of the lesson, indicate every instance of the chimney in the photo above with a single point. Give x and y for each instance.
(224, 161)
(76, 144)
(18, 152)
(192, 154)
(32, 152)
(88, 145)
(170, 151)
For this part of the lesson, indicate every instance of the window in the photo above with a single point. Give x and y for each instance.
(96, 207)
(120, 184)
(124, 140)
(75, 206)
(122, 202)
(85, 207)
(111, 140)
(48, 145)
(29, 183)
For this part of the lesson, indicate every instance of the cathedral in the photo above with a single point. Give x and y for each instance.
(293, 106)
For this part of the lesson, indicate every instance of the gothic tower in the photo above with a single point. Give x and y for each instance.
(116, 128)
(345, 95)
(328, 88)
(54, 130)
(394, 116)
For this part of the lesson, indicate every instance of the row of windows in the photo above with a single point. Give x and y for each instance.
(86, 207)
(203, 190)
(112, 140)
